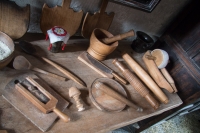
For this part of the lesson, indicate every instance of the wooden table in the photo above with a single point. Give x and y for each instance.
(91, 120)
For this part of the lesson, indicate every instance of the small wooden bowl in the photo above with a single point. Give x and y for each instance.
(98, 49)
(105, 102)
(9, 42)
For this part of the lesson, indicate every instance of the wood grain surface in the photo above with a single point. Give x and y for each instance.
(14, 20)
(91, 120)
(98, 20)
(62, 16)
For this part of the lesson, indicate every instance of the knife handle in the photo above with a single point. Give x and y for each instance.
(120, 79)
(137, 84)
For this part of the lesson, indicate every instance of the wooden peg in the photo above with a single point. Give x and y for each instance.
(118, 37)
(75, 93)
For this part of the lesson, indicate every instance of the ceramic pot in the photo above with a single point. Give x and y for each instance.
(142, 43)
(97, 49)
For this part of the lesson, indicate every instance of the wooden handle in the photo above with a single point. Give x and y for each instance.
(142, 74)
(136, 83)
(116, 95)
(169, 79)
(103, 6)
(118, 37)
(48, 73)
(63, 116)
(67, 73)
(123, 81)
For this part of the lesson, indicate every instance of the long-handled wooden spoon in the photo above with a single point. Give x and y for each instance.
(29, 49)
(21, 63)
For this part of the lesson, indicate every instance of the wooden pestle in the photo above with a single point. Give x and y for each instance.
(142, 74)
(118, 37)
(137, 84)
(116, 95)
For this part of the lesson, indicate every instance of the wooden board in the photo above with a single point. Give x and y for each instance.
(30, 111)
(98, 20)
(91, 120)
(60, 16)
(14, 20)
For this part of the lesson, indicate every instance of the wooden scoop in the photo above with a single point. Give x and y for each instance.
(161, 59)
(118, 37)
(45, 108)
(21, 63)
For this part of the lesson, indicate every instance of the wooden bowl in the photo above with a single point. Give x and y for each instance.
(97, 49)
(105, 102)
(9, 42)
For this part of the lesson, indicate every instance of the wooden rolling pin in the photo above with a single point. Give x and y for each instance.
(142, 74)
(118, 37)
(116, 95)
(137, 84)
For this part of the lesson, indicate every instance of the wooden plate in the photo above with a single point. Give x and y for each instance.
(105, 102)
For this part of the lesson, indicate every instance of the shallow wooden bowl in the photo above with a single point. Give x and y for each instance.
(9, 42)
(105, 102)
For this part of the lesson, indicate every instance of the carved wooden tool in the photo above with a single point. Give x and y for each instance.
(99, 20)
(144, 76)
(60, 16)
(118, 37)
(75, 93)
(45, 108)
(155, 73)
(28, 48)
(116, 95)
(97, 48)
(21, 63)
(137, 84)
(99, 67)
(161, 60)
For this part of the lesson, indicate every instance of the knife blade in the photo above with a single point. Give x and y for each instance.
(102, 67)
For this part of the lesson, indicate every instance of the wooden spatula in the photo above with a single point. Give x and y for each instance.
(45, 108)
(60, 16)
(99, 20)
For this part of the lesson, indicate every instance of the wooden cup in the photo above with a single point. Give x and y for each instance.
(98, 49)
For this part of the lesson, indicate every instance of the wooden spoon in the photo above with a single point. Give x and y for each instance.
(21, 63)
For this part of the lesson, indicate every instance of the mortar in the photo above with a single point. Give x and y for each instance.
(98, 49)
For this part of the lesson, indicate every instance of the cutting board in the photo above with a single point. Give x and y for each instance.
(14, 20)
(30, 111)
(60, 16)
(98, 20)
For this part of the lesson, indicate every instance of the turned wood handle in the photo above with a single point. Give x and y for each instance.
(137, 84)
(169, 79)
(118, 37)
(63, 116)
(144, 76)
(120, 79)
(48, 73)
(64, 71)
(116, 95)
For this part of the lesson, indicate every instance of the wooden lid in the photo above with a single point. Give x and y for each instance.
(105, 102)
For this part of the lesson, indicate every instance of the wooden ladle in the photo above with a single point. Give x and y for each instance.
(29, 49)
(21, 63)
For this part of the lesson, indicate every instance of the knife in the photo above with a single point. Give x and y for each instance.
(102, 67)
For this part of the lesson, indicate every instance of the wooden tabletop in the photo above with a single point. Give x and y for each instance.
(91, 120)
